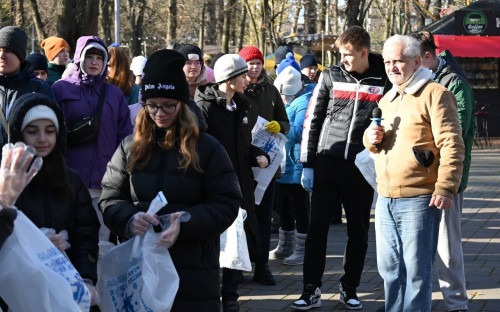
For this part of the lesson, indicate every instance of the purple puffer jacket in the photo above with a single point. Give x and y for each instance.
(78, 95)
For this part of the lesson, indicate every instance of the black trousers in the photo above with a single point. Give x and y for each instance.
(229, 289)
(335, 178)
(292, 203)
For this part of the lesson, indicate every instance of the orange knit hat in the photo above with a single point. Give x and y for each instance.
(52, 46)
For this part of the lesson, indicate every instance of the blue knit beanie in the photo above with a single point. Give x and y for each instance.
(288, 61)
(308, 60)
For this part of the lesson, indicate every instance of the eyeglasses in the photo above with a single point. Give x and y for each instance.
(167, 108)
(193, 63)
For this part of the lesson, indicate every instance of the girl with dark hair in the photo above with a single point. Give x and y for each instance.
(56, 198)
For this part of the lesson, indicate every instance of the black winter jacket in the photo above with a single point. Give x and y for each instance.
(7, 217)
(13, 86)
(212, 197)
(342, 110)
(232, 130)
(265, 101)
(44, 204)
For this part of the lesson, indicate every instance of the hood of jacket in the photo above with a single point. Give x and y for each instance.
(22, 105)
(83, 44)
(208, 93)
(451, 65)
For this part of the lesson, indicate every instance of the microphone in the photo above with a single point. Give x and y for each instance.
(377, 119)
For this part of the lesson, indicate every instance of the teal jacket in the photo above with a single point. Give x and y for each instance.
(453, 77)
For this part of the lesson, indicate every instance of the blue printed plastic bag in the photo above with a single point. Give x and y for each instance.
(36, 276)
(137, 276)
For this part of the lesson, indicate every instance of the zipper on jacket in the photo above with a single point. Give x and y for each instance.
(388, 178)
(354, 111)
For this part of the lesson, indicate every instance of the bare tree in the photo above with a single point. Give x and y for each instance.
(37, 19)
(352, 12)
(105, 19)
(18, 13)
(76, 18)
(296, 15)
(310, 16)
(228, 9)
(172, 21)
(321, 20)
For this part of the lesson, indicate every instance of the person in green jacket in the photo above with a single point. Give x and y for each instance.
(57, 52)
(450, 259)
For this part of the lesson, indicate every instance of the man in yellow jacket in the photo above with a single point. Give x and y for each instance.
(419, 155)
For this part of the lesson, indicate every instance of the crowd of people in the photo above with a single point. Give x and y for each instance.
(113, 132)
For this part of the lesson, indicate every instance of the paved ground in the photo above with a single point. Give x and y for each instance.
(481, 241)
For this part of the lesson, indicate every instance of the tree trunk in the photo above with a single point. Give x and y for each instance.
(254, 23)
(322, 16)
(19, 19)
(352, 13)
(106, 21)
(310, 16)
(296, 15)
(220, 20)
(335, 9)
(135, 18)
(211, 34)
(243, 20)
(226, 26)
(172, 21)
(201, 32)
(77, 18)
(40, 32)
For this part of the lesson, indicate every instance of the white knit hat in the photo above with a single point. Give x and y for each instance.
(288, 81)
(229, 66)
(40, 112)
(137, 65)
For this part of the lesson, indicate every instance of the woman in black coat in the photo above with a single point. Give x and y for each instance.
(226, 114)
(169, 153)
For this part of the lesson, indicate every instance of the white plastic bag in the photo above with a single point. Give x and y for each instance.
(36, 276)
(233, 245)
(138, 275)
(366, 165)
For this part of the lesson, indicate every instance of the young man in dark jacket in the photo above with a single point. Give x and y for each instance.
(341, 109)
(450, 257)
(16, 75)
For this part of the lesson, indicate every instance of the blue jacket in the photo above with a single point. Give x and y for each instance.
(296, 112)
(78, 96)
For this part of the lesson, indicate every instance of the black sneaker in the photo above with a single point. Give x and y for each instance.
(231, 306)
(263, 275)
(350, 299)
(311, 298)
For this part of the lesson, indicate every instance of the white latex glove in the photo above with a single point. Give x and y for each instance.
(94, 295)
(14, 174)
(139, 223)
(262, 161)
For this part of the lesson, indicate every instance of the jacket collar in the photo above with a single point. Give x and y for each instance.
(419, 78)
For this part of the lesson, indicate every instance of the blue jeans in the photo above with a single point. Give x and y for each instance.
(406, 235)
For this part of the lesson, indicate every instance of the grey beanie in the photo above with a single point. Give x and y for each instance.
(229, 66)
(14, 39)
